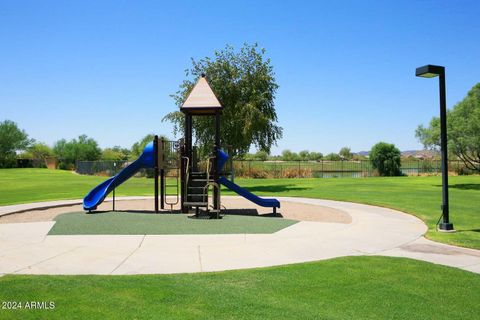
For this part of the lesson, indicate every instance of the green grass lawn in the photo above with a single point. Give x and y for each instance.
(420, 196)
(31, 185)
(350, 287)
(343, 288)
(147, 223)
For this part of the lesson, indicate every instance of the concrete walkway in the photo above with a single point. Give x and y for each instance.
(25, 248)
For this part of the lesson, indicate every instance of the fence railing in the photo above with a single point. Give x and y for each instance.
(107, 168)
(327, 169)
(291, 169)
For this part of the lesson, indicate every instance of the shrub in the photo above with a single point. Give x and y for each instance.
(385, 158)
(257, 173)
(261, 155)
(315, 156)
(345, 153)
(332, 157)
(288, 155)
(296, 173)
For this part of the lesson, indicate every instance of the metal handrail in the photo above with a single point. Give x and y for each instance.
(205, 193)
(208, 167)
(187, 174)
(214, 184)
(171, 204)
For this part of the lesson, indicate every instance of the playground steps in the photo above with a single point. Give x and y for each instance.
(197, 173)
(195, 189)
(196, 198)
(197, 182)
(195, 204)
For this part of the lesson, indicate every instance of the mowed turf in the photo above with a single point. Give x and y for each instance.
(420, 196)
(148, 223)
(343, 288)
(32, 185)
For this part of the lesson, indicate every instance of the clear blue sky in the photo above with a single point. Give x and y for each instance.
(345, 68)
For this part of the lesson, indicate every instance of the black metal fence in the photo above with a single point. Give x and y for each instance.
(335, 169)
(107, 168)
(291, 169)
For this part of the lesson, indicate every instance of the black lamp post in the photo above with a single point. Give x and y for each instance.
(431, 71)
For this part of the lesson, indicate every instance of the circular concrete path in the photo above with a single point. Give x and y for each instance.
(25, 248)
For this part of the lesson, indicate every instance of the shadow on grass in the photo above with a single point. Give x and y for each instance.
(463, 186)
(468, 230)
(275, 188)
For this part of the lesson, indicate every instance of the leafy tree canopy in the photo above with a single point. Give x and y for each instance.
(385, 158)
(137, 147)
(315, 156)
(345, 153)
(12, 139)
(244, 83)
(83, 148)
(288, 155)
(261, 155)
(38, 150)
(332, 157)
(463, 130)
(115, 153)
(304, 155)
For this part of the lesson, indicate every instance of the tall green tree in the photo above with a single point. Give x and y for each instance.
(12, 139)
(137, 147)
(463, 130)
(83, 148)
(315, 156)
(244, 83)
(345, 153)
(261, 155)
(332, 157)
(385, 158)
(115, 153)
(288, 155)
(304, 155)
(38, 150)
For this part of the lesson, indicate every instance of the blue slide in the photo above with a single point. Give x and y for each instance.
(99, 193)
(272, 203)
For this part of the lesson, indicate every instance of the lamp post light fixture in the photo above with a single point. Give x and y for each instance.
(431, 71)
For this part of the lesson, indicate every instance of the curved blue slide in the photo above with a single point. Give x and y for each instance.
(100, 192)
(263, 202)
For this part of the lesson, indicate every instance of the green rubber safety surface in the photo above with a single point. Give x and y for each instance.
(81, 223)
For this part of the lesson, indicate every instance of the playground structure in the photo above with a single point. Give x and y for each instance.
(176, 166)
